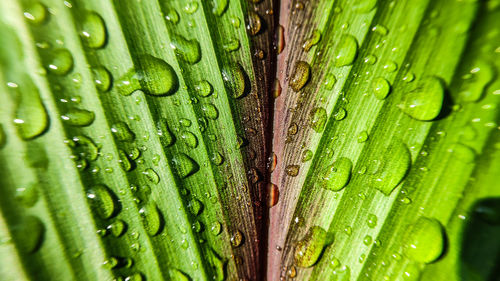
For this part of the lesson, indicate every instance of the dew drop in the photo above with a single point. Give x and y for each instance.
(337, 175)
(371, 221)
(235, 80)
(102, 78)
(59, 61)
(36, 12)
(27, 196)
(31, 118)
(219, 7)
(395, 165)
(292, 170)
(122, 132)
(346, 51)
(312, 41)
(280, 39)
(103, 201)
(254, 23)
(189, 139)
(364, 6)
(277, 88)
(425, 102)
(390, 66)
(362, 137)
(307, 155)
(462, 152)
(117, 228)
(184, 165)
(188, 50)
(381, 88)
(217, 158)
(231, 45)
(93, 30)
(203, 88)
(191, 7)
(300, 75)
(474, 82)
(216, 228)
(78, 117)
(152, 219)
(29, 231)
(210, 111)
(340, 114)
(151, 175)
(154, 76)
(309, 249)
(330, 81)
(273, 194)
(425, 240)
(237, 239)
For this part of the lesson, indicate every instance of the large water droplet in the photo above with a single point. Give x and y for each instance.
(102, 78)
(337, 175)
(300, 75)
(189, 139)
(318, 119)
(474, 82)
(254, 23)
(425, 240)
(425, 102)
(188, 50)
(103, 201)
(152, 219)
(154, 76)
(93, 30)
(78, 117)
(184, 165)
(29, 233)
(31, 118)
(309, 249)
(59, 61)
(273, 194)
(394, 166)
(235, 80)
(346, 50)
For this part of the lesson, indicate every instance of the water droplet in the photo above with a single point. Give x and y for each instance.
(346, 50)
(235, 80)
(292, 170)
(217, 158)
(29, 232)
(188, 50)
(425, 102)
(425, 240)
(31, 118)
(185, 122)
(254, 23)
(152, 219)
(3, 137)
(59, 61)
(300, 75)
(171, 15)
(78, 117)
(166, 136)
(189, 139)
(27, 196)
(276, 88)
(102, 78)
(122, 132)
(93, 30)
(395, 164)
(117, 228)
(232, 45)
(191, 7)
(390, 66)
(312, 41)
(154, 76)
(84, 147)
(103, 201)
(273, 194)
(210, 111)
(292, 272)
(217, 265)
(367, 240)
(380, 29)
(280, 39)
(216, 228)
(362, 136)
(203, 88)
(340, 114)
(237, 239)
(330, 81)
(337, 175)
(219, 7)
(184, 165)
(371, 221)
(462, 152)
(364, 6)
(151, 175)
(36, 12)
(195, 206)
(474, 82)
(309, 249)
(381, 88)
(370, 59)
(307, 155)
(136, 277)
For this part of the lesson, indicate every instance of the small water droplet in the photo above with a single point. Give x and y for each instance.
(330, 81)
(312, 41)
(235, 80)
(187, 50)
(292, 170)
(462, 152)
(219, 7)
(184, 165)
(364, 6)
(152, 219)
(122, 132)
(395, 165)
(78, 117)
(27, 196)
(254, 23)
(237, 239)
(152, 176)
(300, 75)
(102, 78)
(381, 88)
(362, 137)
(36, 12)
(117, 228)
(29, 232)
(59, 61)
(189, 139)
(190, 7)
(476, 80)
(337, 175)
(210, 111)
(307, 155)
(103, 201)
